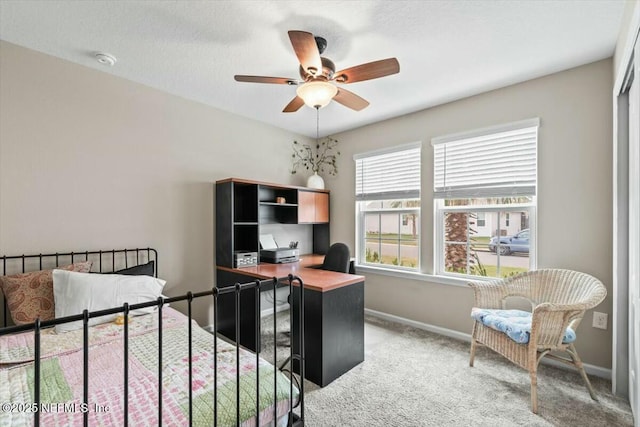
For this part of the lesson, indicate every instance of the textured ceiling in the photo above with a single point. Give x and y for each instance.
(447, 49)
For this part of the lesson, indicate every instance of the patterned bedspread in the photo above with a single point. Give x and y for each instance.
(61, 385)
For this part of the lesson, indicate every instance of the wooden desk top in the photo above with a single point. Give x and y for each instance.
(313, 278)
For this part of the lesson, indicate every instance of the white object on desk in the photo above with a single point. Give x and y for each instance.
(268, 242)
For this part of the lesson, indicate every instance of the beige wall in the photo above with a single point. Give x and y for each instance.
(574, 191)
(92, 161)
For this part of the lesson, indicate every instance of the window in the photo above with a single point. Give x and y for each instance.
(388, 208)
(485, 200)
(482, 220)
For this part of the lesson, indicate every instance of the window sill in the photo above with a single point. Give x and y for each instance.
(442, 280)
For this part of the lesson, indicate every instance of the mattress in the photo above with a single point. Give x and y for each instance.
(61, 386)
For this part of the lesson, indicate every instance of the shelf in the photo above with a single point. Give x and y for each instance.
(279, 204)
(243, 207)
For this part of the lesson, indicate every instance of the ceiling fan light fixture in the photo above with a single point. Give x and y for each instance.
(318, 75)
(317, 94)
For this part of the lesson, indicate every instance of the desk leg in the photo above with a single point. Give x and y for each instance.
(334, 331)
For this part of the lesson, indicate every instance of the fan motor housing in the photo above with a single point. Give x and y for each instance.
(321, 42)
(328, 69)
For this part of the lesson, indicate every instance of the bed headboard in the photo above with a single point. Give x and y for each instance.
(104, 261)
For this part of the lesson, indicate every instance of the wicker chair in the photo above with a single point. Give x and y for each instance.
(559, 299)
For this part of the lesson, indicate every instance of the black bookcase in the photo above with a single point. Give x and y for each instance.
(241, 206)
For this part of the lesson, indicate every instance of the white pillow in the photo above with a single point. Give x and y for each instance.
(75, 292)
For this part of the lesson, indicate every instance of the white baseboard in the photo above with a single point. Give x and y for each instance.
(269, 311)
(594, 370)
(263, 313)
(419, 325)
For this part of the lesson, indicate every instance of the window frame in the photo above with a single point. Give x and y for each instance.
(397, 194)
(525, 182)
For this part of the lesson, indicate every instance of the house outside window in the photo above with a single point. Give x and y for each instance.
(485, 201)
(388, 208)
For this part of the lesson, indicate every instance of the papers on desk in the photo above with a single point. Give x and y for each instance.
(267, 241)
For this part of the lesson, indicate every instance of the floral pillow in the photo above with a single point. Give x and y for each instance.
(30, 295)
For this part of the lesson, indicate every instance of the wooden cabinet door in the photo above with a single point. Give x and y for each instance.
(321, 207)
(306, 207)
(313, 207)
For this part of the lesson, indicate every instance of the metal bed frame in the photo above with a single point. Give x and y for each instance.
(147, 254)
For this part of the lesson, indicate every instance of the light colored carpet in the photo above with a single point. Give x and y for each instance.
(412, 377)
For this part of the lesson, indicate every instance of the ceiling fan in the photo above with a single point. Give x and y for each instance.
(318, 75)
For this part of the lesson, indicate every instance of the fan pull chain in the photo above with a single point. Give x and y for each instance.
(317, 124)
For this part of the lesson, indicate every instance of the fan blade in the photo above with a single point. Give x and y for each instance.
(261, 79)
(294, 105)
(306, 49)
(350, 99)
(371, 70)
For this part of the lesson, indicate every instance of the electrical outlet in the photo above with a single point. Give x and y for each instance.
(600, 320)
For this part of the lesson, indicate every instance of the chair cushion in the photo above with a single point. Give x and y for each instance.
(516, 324)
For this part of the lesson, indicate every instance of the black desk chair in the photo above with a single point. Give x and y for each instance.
(337, 258)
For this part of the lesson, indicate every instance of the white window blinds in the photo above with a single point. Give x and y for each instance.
(388, 174)
(495, 162)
